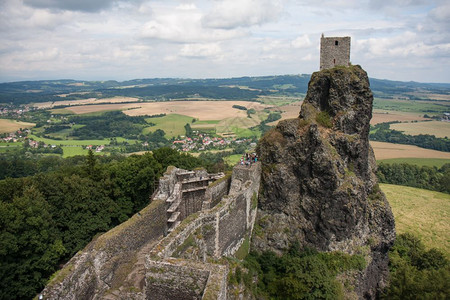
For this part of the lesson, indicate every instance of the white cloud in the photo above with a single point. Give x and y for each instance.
(301, 42)
(201, 50)
(123, 39)
(242, 13)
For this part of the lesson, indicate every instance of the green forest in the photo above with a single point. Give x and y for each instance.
(430, 178)
(47, 217)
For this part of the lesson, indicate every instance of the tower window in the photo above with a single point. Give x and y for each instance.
(336, 43)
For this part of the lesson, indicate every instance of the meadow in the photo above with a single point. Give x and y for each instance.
(423, 213)
(7, 125)
(437, 128)
(172, 124)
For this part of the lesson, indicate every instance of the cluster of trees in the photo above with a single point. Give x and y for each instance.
(384, 134)
(298, 273)
(417, 273)
(107, 125)
(239, 107)
(431, 178)
(56, 128)
(46, 218)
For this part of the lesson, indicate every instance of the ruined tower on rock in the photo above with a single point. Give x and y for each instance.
(334, 51)
(318, 181)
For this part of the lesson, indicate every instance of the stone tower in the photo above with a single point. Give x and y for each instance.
(334, 51)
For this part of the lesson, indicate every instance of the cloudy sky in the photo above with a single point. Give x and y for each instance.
(127, 39)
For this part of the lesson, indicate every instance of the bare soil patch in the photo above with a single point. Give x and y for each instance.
(388, 150)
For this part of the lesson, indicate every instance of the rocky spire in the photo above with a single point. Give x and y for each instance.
(318, 178)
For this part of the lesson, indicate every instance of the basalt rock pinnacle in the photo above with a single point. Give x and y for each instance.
(318, 178)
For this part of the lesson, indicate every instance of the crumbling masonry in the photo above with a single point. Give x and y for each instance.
(165, 250)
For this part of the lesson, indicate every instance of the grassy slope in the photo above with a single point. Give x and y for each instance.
(421, 212)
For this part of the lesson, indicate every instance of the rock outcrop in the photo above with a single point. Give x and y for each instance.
(318, 182)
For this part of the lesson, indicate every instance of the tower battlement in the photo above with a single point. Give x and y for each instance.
(334, 51)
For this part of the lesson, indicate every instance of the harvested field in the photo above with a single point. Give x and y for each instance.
(85, 101)
(7, 125)
(203, 110)
(437, 128)
(421, 212)
(289, 111)
(86, 109)
(388, 150)
(381, 116)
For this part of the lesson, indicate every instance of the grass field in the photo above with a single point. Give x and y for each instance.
(388, 150)
(412, 106)
(173, 124)
(430, 162)
(7, 125)
(78, 142)
(437, 128)
(421, 212)
(74, 150)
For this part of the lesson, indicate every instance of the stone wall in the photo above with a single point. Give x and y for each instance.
(135, 261)
(334, 51)
(216, 232)
(104, 266)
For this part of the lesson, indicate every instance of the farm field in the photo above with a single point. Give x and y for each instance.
(381, 116)
(437, 128)
(429, 162)
(423, 213)
(85, 101)
(202, 110)
(289, 111)
(87, 109)
(77, 142)
(421, 107)
(172, 124)
(7, 125)
(388, 150)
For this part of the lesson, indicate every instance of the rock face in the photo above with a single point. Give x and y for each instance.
(318, 181)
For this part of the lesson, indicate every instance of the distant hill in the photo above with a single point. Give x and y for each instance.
(243, 88)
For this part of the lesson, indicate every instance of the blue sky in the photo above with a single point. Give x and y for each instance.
(113, 39)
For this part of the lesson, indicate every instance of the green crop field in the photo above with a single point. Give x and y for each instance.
(423, 213)
(173, 124)
(437, 128)
(77, 142)
(412, 105)
(430, 162)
